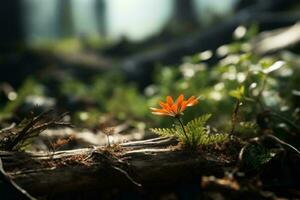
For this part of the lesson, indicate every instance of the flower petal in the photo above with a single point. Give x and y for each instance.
(165, 106)
(170, 100)
(161, 114)
(154, 109)
(179, 101)
(192, 101)
(157, 111)
(183, 106)
(175, 109)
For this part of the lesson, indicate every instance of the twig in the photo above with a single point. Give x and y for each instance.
(31, 127)
(283, 143)
(111, 164)
(127, 176)
(17, 189)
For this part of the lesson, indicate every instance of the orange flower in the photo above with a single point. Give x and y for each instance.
(174, 109)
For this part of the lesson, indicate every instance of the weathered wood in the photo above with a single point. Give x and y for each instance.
(276, 40)
(153, 162)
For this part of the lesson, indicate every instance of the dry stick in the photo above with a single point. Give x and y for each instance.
(284, 143)
(30, 128)
(4, 177)
(122, 171)
(234, 116)
(26, 128)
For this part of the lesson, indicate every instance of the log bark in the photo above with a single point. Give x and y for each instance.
(155, 162)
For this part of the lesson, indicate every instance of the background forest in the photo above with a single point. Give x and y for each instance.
(83, 74)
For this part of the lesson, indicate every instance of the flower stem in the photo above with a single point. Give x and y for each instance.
(183, 129)
(234, 116)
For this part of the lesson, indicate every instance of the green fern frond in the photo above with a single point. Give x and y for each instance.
(198, 122)
(196, 133)
(164, 132)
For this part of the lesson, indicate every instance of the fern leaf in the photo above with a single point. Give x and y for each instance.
(199, 121)
(164, 132)
(193, 134)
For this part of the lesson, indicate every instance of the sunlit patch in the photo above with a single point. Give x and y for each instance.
(284, 108)
(230, 74)
(241, 77)
(296, 92)
(12, 96)
(189, 70)
(223, 50)
(83, 116)
(246, 47)
(150, 90)
(215, 95)
(40, 100)
(240, 32)
(277, 65)
(230, 59)
(205, 55)
(255, 69)
(253, 85)
(219, 86)
(271, 98)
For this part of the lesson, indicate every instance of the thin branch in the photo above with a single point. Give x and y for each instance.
(284, 143)
(7, 180)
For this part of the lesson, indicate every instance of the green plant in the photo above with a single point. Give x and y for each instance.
(196, 133)
(256, 156)
(238, 95)
(29, 87)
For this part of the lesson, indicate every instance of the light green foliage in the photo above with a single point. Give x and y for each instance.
(261, 82)
(248, 127)
(237, 93)
(121, 99)
(269, 82)
(196, 133)
(29, 87)
(127, 103)
(256, 156)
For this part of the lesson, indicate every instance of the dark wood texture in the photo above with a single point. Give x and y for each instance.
(155, 162)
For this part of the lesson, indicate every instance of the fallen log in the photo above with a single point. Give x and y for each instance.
(154, 162)
(273, 41)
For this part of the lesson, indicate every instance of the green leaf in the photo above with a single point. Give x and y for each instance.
(164, 132)
(238, 93)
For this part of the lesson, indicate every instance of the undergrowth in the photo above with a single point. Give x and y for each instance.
(16, 138)
(196, 133)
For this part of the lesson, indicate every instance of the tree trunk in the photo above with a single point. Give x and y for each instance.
(100, 14)
(11, 33)
(66, 20)
(135, 164)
